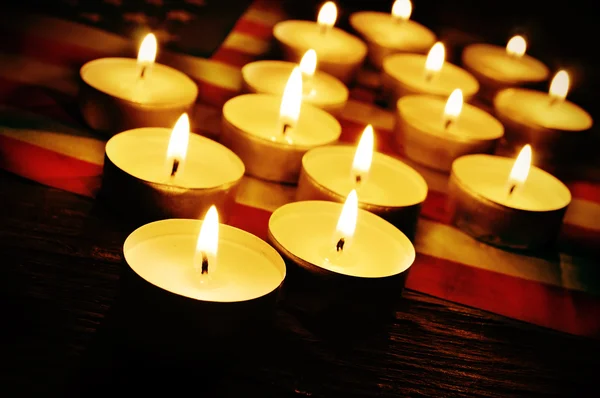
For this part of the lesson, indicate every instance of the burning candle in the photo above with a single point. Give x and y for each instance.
(386, 186)
(347, 254)
(119, 94)
(271, 133)
(555, 128)
(434, 132)
(156, 173)
(223, 274)
(391, 33)
(406, 74)
(340, 54)
(497, 68)
(507, 203)
(319, 88)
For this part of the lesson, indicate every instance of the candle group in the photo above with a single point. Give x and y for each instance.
(349, 232)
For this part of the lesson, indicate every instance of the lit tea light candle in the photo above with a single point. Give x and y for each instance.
(391, 33)
(343, 251)
(340, 54)
(555, 128)
(319, 88)
(434, 132)
(157, 173)
(497, 68)
(507, 203)
(271, 133)
(407, 74)
(386, 186)
(119, 94)
(225, 274)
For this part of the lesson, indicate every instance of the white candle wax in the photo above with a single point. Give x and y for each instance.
(258, 115)
(114, 97)
(306, 229)
(406, 75)
(423, 135)
(535, 109)
(321, 90)
(487, 176)
(390, 183)
(142, 154)
(120, 77)
(162, 253)
(426, 113)
(493, 62)
(385, 35)
(339, 53)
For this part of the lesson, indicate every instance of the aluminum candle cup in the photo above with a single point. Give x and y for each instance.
(340, 54)
(114, 98)
(556, 130)
(321, 90)
(392, 190)
(366, 276)
(169, 292)
(137, 181)
(385, 35)
(497, 69)
(529, 219)
(422, 135)
(405, 74)
(251, 128)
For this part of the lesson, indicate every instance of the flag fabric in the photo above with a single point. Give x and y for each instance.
(43, 138)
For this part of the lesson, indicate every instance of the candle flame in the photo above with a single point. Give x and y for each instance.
(291, 100)
(435, 58)
(364, 155)
(520, 170)
(559, 87)
(308, 64)
(327, 15)
(453, 105)
(516, 46)
(347, 221)
(205, 260)
(178, 143)
(147, 52)
(402, 9)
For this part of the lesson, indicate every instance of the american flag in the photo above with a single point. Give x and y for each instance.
(43, 138)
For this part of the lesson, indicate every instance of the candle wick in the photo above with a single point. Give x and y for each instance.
(428, 76)
(358, 178)
(204, 269)
(286, 127)
(323, 29)
(553, 101)
(143, 72)
(175, 167)
(447, 124)
(339, 247)
(511, 189)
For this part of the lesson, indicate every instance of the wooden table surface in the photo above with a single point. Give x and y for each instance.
(61, 265)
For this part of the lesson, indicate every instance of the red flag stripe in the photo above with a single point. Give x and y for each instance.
(255, 29)
(548, 306)
(233, 57)
(58, 171)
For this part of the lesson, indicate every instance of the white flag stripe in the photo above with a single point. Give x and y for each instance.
(246, 44)
(263, 17)
(31, 71)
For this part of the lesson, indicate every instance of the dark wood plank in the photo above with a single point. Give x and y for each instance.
(61, 265)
